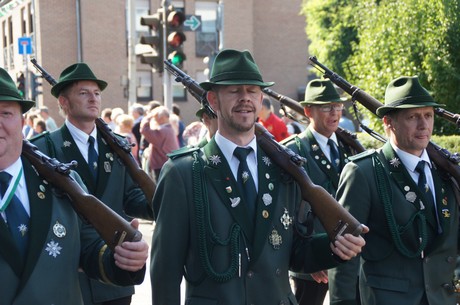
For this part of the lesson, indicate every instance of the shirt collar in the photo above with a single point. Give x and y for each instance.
(227, 147)
(410, 161)
(78, 135)
(321, 139)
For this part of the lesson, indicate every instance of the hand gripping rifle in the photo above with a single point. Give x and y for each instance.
(345, 136)
(112, 228)
(441, 157)
(335, 219)
(121, 148)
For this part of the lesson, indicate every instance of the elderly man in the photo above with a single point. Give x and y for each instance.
(44, 242)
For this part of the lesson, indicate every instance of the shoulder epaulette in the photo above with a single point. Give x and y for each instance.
(288, 139)
(40, 135)
(182, 151)
(364, 154)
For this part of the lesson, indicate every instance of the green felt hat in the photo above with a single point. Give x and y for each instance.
(74, 73)
(321, 91)
(406, 92)
(232, 67)
(10, 93)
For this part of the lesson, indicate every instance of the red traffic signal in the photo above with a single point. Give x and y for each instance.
(175, 18)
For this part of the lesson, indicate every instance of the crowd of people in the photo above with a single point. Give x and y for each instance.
(229, 220)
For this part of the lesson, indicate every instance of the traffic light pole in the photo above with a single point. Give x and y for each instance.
(167, 83)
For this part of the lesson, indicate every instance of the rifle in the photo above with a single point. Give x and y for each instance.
(440, 156)
(121, 148)
(345, 136)
(113, 230)
(335, 219)
(451, 117)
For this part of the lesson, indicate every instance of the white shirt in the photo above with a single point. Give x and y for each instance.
(322, 142)
(21, 191)
(81, 138)
(410, 161)
(228, 147)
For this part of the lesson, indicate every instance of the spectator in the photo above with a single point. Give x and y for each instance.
(271, 122)
(49, 121)
(161, 137)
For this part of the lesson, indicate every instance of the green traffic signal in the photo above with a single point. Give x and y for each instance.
(177, 58)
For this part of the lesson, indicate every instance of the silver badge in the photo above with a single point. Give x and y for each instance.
(286, 220)
(410, 196)
(267, 199)
(275, 239)
(235, 201)
(107, 167)
(215, 159)
(53, 248)
(59, 230)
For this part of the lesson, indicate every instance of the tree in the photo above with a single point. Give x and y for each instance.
(393, 38)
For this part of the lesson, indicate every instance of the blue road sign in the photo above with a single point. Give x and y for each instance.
(25, 45)
(192, 23)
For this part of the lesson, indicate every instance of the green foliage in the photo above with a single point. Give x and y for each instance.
(451, 143)
(369, 43)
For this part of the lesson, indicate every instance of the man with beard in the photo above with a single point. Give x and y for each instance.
(226, 213)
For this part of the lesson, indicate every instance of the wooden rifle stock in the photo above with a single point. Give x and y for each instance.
(112, 228)
(121, 148)
(334, 218)
(443, 159)
(345, 136)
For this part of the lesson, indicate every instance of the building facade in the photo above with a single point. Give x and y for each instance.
(105, 34)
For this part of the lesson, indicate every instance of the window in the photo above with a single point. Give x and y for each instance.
(144, 87)
(207, 39)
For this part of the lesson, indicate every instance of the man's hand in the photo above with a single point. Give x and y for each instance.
(132, 256)
(320, 276)
(348, 246)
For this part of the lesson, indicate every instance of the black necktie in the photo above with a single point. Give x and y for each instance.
(335, 158)
(16, 216)
(426, 191)
(245, 180)
(92, 157)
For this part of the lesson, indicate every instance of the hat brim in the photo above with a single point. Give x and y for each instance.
(209, 85)
(59, 86)
(338, 100)
(381, 111)
(25, 104)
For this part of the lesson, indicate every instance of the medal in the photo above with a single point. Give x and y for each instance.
(286, 220)
(275, 239)
(59, 230)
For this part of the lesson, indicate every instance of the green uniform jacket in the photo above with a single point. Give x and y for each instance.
(318, 168)
(386, 275)
(203, 232)
(114, 187)
(48, 275)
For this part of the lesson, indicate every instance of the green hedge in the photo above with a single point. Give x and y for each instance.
(451, 143)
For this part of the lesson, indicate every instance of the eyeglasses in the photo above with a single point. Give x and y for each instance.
(329, 107)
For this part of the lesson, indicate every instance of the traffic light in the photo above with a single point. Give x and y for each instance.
(175, 36)
(155, 40)
(35, 85)
(21, 83)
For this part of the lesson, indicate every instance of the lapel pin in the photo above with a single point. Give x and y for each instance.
(59, 230)
(235, 201)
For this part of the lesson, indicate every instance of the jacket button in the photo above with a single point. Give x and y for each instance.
(250, 274)
(278, 272)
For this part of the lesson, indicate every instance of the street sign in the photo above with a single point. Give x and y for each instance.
(192, 23)
(25, 45)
